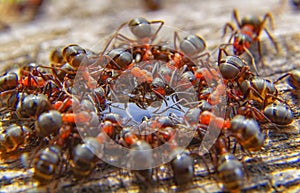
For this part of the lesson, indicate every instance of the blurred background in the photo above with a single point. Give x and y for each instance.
(30, 28)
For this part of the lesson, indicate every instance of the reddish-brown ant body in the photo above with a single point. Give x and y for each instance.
(248, 32)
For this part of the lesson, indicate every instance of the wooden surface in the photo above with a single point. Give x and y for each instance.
(275, 168)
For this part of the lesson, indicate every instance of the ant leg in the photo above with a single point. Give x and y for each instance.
(173, 77)
(281, 77)
(236, 18)
(158, 29)
(252, 58)
(176, 37)
(272, 39)
(234, 148)
(57, 68)
(123, 38)
(267, 16)
(47, 89)
(197, 155)
(251, 88)
(30, 75)
(222, 49)
(274, 97)
(207, 54)
(231, 27)
(258, 114)
(114, 36)
(170, 107)
(259, 46)
(53, 78)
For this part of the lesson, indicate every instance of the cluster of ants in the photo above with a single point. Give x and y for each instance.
(141, 92)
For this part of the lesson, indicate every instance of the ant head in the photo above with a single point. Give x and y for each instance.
(241, 41)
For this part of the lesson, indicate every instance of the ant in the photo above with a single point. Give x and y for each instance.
(46, 162)
(13, 136)
(230, 169)
(183, 167)
(278, 113)
(8, 81)
(247, 132)
(83, 158)
(260, 90)
(33, 106)
(248, 32)
(141, 28)
(233, 68)
(51, 121)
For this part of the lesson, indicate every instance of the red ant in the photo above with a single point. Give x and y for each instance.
(248, 32)
(140, 28)
(207, 117)
(34, 80)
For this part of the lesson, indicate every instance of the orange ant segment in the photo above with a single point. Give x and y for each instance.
(168, 133)
(215, 97)
(137, 72)
(205, 117)
(57, 105)
(108, 128)
(68, 118)
(160, 91)
(206, 74)
(148, 54)
(226, 124)
(82, 117)
(64, 133)
(155, 125)
(130, 138)
(218, 122)
(176, 61)
(35, 82)
(200, 73)
(141, 75)
(172, 144)
(221, 146)
(76, 117)
(148, 138)
(62, 106)
(238, 48)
